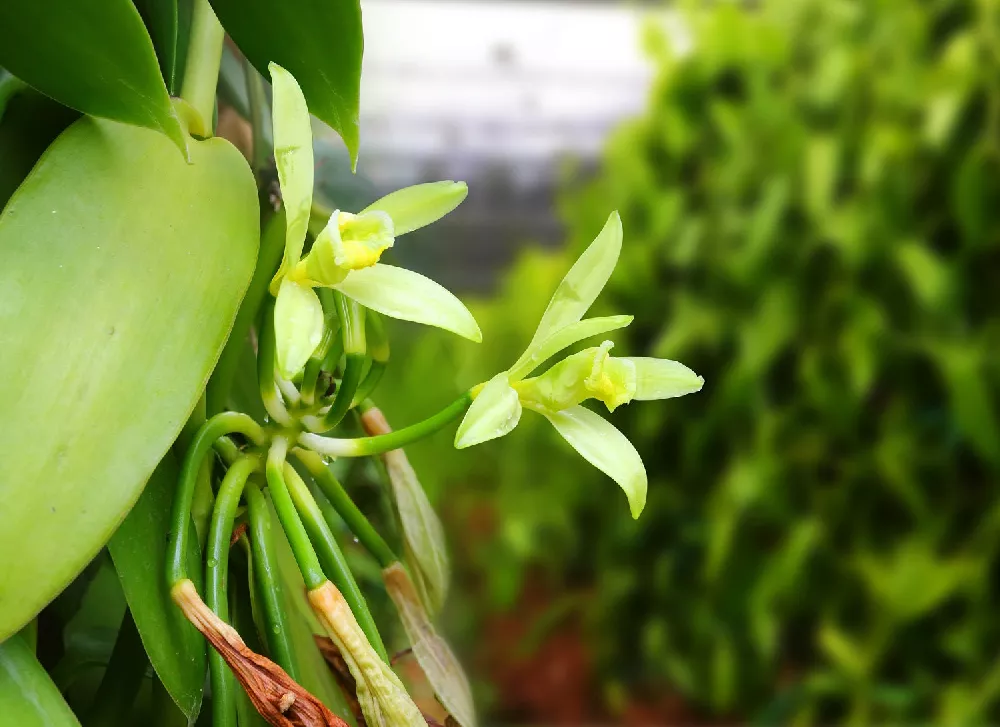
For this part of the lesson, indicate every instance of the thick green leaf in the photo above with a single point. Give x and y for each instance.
(160, 17)
(28, 698)
(28, 123)
(95, 57)
(138, 548)
(121, 269)
(320, 43)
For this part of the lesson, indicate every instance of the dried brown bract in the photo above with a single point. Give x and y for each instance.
(278, 698)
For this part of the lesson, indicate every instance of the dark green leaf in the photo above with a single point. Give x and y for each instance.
(28, 698)
(160, 17)
(121, 270)
(319, 42)
(95, 57)
(138, 549)
(28, 124)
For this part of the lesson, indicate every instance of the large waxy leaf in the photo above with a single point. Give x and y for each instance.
(121, 269)
(138, 548)
(318, 42)
(95, 57)
(28, 698)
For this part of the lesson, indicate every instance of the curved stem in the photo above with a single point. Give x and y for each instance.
(224, 688)
(272, 246)
(201, 71)
(180, 518)
(345, 392)
(265, 367)
(257, 102)
(332, 558)
(371, 381)
(268, 581)
(352, 323)
(357, 523)
(331, 332)
(302, 549)
(365, 446)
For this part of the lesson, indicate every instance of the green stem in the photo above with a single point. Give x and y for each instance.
(272, 246)
(122, 679)
(331, 557)
(352, 323)
(365, 446)
(269, 392)
(357, 523)
(302, 549)
(345, 392)
(201, 70)
(257, 101)
(314, 365)
(372, 379)
(224, 687)
(180, 519)
(268, 581)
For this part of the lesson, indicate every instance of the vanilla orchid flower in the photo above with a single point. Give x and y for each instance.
(345, 255)
(590, 374)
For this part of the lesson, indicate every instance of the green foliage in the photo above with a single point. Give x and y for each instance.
(27, 695)
(98, 59)
(319, 42)
(138, 549)
(100, 413)
(811, 223)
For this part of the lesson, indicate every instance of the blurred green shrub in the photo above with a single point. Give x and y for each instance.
(811, 207)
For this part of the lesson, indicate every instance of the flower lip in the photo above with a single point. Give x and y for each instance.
(360, 239)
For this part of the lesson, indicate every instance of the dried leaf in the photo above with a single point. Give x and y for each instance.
(383, 698)
(278, 698)
(439, 664)
(342, 674)
(422, 531)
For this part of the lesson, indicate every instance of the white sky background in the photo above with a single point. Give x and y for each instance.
(465, 81)
(495, 93)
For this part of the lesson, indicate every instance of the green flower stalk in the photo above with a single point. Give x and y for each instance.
(345, 255)
(590, 374)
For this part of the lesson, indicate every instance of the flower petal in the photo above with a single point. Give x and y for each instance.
(606, 448)
(494, 412)
(537, 353)
(584, 281)
(293, 155)
(298, 326)
(409, 296)
(418, 206)
(660, 378)
(442, 669)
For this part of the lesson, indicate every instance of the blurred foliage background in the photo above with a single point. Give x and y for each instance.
(811, 204)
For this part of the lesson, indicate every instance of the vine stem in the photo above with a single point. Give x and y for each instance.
(366, 446)
(201, 71)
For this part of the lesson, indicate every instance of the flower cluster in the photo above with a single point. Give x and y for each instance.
(590, 374)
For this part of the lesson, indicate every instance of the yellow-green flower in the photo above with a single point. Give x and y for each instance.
(590, 374)
(345, 255)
